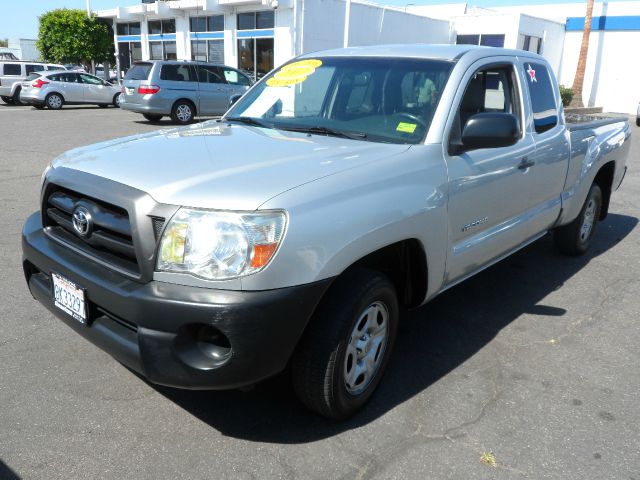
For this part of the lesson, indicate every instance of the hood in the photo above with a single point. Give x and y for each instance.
(221, 166)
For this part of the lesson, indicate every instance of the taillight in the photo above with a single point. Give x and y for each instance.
(148, 89)
(39, 83)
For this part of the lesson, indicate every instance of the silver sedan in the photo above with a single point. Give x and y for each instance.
(57, 88)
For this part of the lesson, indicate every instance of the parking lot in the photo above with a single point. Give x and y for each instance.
(528, 370)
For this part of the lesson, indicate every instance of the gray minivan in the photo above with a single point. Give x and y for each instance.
(181, 89)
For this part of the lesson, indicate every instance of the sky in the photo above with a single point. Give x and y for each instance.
(20, 19)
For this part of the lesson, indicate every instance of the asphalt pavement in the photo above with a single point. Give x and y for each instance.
(530, 369)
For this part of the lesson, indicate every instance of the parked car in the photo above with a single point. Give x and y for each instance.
(112, 73)
(54, 89)
(345, 186)
(13, 72)
(181, 89)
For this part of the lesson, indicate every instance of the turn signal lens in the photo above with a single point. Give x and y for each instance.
(262, 254)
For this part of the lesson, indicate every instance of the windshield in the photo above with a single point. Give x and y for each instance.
(369, 98)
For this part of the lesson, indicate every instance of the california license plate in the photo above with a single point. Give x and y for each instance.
(70, 298)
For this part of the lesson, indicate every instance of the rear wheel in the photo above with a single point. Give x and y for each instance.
(575, 237)
(7, 100)
(16, 97)
(54, 101)
(116, 100)
(183, 112)
(151, 117)
(347, 344)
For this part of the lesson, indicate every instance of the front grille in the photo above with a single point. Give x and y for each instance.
(109, 239)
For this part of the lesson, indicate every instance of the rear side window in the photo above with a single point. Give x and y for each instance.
(33, 68)
(33, 76)
(139, 71)
(54, 67)
(12, 69)
(543, 102)
(177, 73)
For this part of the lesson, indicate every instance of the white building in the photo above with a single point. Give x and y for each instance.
(258, 35)
(22, 48)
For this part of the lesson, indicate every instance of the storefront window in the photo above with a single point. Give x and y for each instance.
(132, 28)
(162, 26)
(255, 56)
(256, 20)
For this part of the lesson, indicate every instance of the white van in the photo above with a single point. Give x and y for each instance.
(12, 72)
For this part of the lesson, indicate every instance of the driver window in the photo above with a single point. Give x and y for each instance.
(489, 90)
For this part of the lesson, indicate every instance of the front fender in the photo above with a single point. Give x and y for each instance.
(337, 220)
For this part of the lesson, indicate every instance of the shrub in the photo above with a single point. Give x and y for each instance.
(566, 94)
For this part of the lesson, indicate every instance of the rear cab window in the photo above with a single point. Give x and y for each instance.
(543, 100)
(139, 71)
(12, 69)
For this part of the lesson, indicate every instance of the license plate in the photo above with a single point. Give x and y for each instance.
(70, 298)
(130, 90)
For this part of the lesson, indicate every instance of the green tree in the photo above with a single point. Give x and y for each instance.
(69, 36)
(4, 43)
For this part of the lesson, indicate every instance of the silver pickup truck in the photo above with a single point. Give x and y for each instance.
(342, 188)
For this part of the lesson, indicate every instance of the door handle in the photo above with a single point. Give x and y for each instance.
(526, 163)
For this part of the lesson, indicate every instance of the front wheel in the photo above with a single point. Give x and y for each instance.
(183, 112)
(575, 237)
(347, 344)
(7, 100)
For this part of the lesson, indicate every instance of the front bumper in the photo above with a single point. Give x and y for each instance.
(153, 328)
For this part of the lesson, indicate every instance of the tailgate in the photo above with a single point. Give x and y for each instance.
(137, 75)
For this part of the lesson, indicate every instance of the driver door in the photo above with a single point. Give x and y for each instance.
(488, 188)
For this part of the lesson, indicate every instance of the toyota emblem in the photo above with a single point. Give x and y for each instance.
(82, 221)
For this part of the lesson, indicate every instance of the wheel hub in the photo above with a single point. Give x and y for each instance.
(365, 348)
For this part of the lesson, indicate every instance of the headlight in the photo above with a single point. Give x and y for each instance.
(220, 245)
(44, 175)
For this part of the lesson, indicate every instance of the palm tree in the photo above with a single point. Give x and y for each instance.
(578, 81)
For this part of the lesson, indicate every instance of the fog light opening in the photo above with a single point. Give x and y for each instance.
(203, 347)
(213, 344)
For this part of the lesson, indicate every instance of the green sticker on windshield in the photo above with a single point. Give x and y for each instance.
(406, 127)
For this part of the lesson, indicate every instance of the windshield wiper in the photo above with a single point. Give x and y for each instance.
(248, 121)
(326, 131)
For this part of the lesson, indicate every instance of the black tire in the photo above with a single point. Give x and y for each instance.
(321, 361)
(54, 101)
(7, 100)
(183, 112)
(151, 117)
(575, 237)
(637, 121)
(116, 100)
(39, 107)
(16, 97)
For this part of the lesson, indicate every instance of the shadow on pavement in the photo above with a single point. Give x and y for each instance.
(6, 473)
(432, 341)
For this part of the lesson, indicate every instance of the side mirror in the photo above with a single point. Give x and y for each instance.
(234, 99)
(490, 130)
